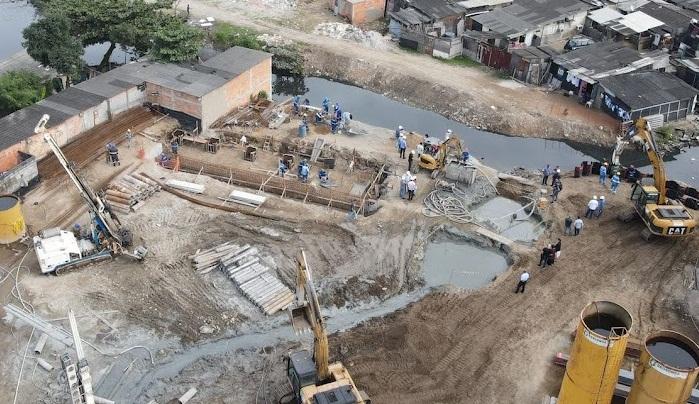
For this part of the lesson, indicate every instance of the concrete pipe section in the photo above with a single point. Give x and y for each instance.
(596, 355)
(667, 371)
(12, 226)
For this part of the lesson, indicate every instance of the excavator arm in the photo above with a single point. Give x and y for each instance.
(306, 314)
(644, 132)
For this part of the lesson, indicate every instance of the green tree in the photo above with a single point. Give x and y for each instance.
(226, 35)
(129, 23)
(175, 42)
(19, 89)
(49, 41)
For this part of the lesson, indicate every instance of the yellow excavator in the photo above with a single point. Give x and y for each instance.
(451, 146)
(662, 216)
(312, 379)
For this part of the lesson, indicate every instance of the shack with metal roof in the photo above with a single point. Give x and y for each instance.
(647, 94)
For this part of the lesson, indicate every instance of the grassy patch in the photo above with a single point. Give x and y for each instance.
(461, 61)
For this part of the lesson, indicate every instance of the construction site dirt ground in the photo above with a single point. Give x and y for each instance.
(401, 341)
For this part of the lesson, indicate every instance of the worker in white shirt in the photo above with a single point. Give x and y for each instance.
(578, 225)
(522, 281)
(592, 207)
(243, 140)
(412, 186)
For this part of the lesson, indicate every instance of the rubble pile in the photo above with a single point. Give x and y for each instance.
(348, 32)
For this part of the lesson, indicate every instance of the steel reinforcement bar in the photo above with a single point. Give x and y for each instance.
(273, 184)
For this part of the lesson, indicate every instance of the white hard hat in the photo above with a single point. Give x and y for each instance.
(594, 196)
(400, 127)
(448, 130)
(412, 152)
(601, 197)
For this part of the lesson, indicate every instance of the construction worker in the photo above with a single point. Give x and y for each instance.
(556, 173)
(615, 182)
(592, 207)
(600, 207)
(447, 135)
(557, 249)
(404, 184)
(402, 145)
(568, 224)
(412, 187)
(465, 155)
(419, 149)
(410, 160)
(399, 131)
(129, 136)
(556, 189)
(632, 174)
(303, 171)
(174, 146)
(346, 119)
(113, 153)
(319, 117)
(547, 173)
(578, 225)
(333, 124)
(522, 281)
(296, 102)
(243, 140)
(603, 174)
(326, 105)
(282, 168)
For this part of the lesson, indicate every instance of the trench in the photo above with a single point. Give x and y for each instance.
(499, 151)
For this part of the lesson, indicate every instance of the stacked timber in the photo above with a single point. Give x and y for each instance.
(243, 266)
(128, 192)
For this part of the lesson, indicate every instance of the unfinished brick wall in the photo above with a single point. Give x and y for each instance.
(237, 92)
(174, 100)
(10, 157)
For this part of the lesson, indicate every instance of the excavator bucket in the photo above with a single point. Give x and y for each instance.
(300, 319)
(300, 311)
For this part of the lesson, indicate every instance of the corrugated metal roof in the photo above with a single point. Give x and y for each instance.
(603, 59)
(527, 15)
(19, 125)
(467, 4)
(645, 89)
(437, 9)
(409, 16)
(636, 22)
(603, 15)
(237, 60)
(689, 4)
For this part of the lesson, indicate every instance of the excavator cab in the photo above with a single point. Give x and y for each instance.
(642, 195)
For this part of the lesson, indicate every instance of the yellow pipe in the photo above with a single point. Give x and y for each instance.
(596, 355)
(667, 370)
(12, 226)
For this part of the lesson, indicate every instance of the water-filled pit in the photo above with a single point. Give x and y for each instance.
(450, 261)
(673, 352)
(508, 218)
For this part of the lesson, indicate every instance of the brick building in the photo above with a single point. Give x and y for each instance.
(202, 93)
(358, 11)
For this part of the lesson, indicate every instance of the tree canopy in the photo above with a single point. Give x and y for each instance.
(19, 89)
(175, 42)
(50, 41)
(130, 23)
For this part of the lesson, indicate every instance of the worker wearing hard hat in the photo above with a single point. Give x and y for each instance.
(592, 206)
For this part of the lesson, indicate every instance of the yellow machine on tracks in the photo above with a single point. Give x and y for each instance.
(451, 146)
(662, 216)
(313, 379)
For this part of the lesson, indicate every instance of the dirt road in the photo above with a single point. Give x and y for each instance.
(494, 346)
(474, 96)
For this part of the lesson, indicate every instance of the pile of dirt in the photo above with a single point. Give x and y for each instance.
(349, 32)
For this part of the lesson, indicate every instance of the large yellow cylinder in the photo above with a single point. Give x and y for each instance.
(596, 355)
(12, 227)
(667, 371)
